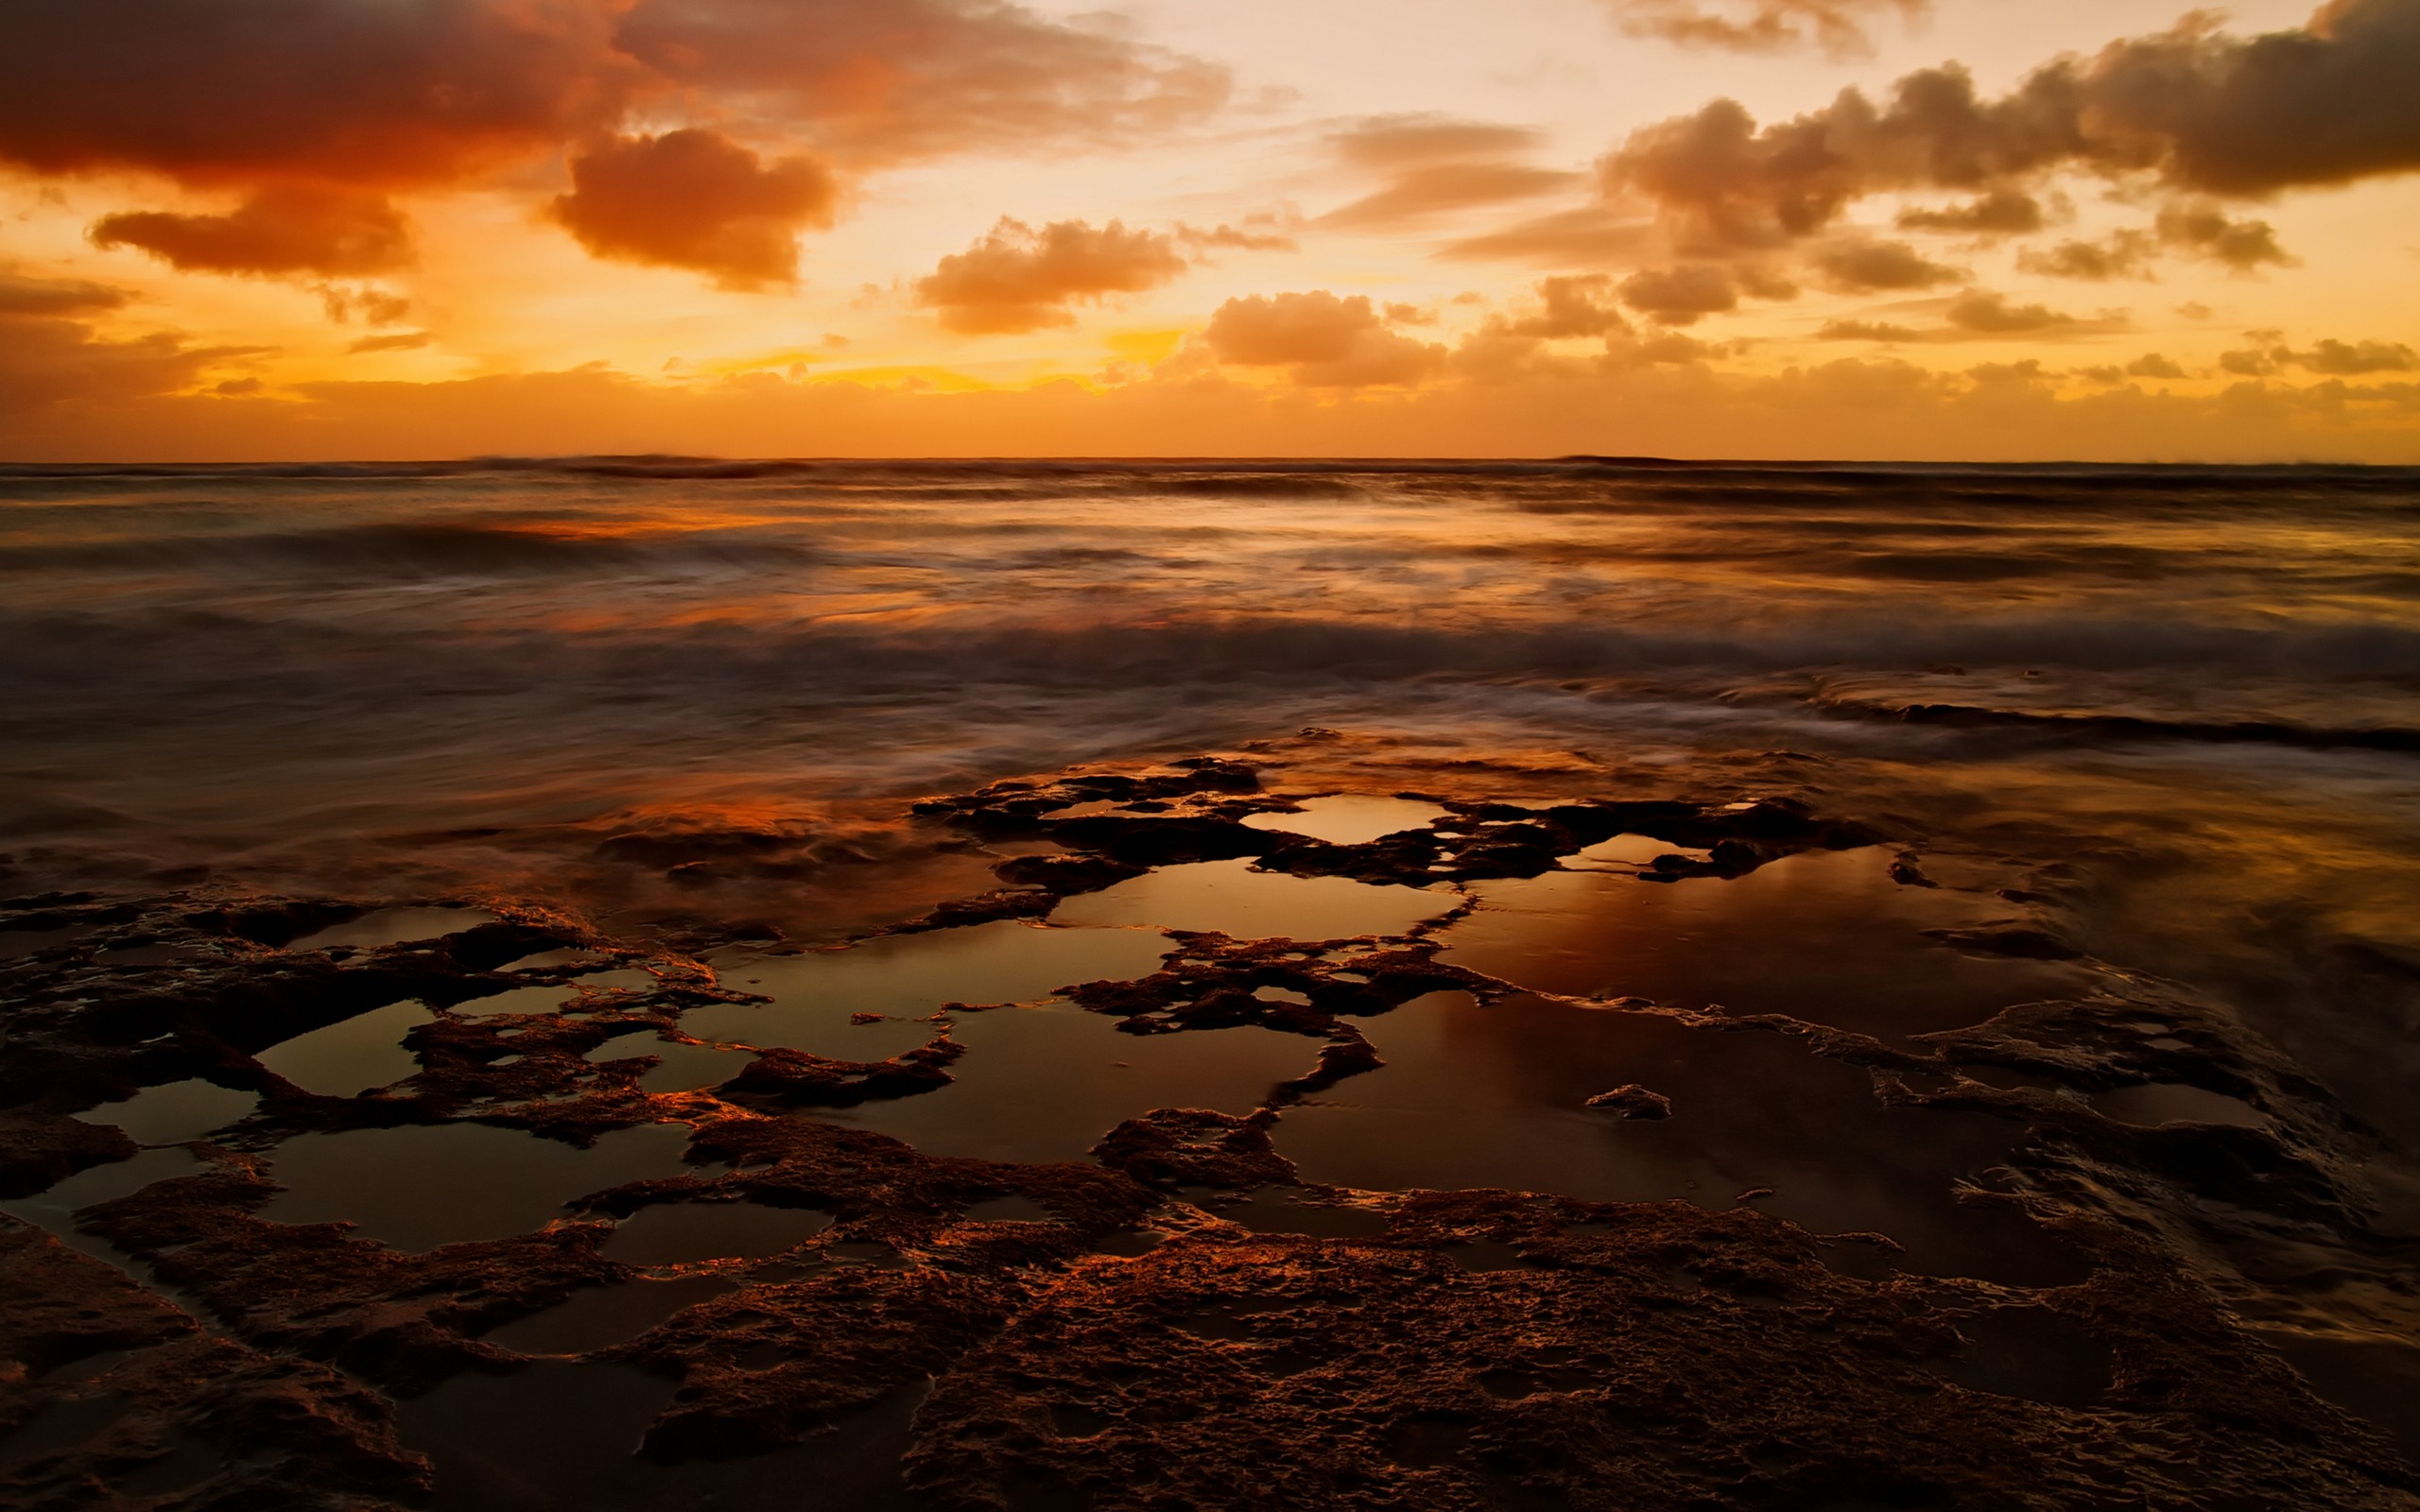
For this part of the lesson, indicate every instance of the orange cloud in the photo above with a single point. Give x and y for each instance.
(48, 359)
(2192, 109)
(915, 77)
(287, 229)
(2000, 213)
(1434, 164)
(1980, 315)
(1020, 279)
(1858, 265)
(1327, 342)
(696, 199)
(402, 92)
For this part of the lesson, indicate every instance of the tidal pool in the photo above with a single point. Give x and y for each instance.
(352, 1055)
(1496, 1095)
(677, 1233)
(2157, 1102)
(1046, 1083)
(1826, 936)
(603, 1316)
(394, 926)
(1230, 898)
(816, 992)
(1351, 819)
(175, 1111)
(423, 1185)
(679, 1067)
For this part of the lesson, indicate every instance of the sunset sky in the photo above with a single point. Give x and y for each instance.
(273, 229)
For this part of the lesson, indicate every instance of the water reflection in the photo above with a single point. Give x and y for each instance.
(1493, 1097)
(1230, 898)
(1826, 936)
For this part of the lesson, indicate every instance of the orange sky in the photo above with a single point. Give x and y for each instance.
(263, 228)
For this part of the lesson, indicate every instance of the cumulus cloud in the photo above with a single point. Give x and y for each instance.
(2193, 110)
(1839, 27)
(221, 91)
(2000, 213)
(285, 229)
(1326, 341)
(1688, 293)
(1573, 306)
(915, 77)
(2151, 365)
(1857, 265)
(2331, 357)
(2193, 229)
(696, 199)
(1020, 279)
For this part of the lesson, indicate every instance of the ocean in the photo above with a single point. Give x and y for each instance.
(2063, 749)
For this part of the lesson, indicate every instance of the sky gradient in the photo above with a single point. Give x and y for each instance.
(309, 229)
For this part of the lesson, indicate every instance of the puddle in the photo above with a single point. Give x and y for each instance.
(1277, 1211)
(676, 1233)
(1826, 936)
(353, 1055)
(1629, 852)
(395, 926)
(424, 1185)
(557, 960)
(173, 1113)
(1229, 898)
(2161, 1103)
(1047, 1083)
(560, 1437)
(1473, 1096)
(2030, 1353)
(17, 943)
(1351, 819)
(680, 1067)
(910, 975)
(519, 1000)
(60, 1427)
(55, 1211)
(603, 1316)
(1014, 1207)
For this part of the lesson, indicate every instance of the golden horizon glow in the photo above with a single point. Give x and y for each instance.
(1420, 228)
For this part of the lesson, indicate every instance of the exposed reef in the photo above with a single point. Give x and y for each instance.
(1183, 1319)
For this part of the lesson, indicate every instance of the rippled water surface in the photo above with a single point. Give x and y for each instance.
(2103, 732)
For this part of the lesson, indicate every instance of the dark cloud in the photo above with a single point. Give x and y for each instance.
(2241, 244)
(1858, 267)
(1838, 28)
(2192, 230)
(1327, 342)
(2193, 108)
(2000, 213)
(1020, 279)
(392, 92)
(909, 78)
(696, 199)
(1688, 293)
(276, 232)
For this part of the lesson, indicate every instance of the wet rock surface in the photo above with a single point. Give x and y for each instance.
(1188, 1315)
